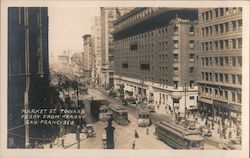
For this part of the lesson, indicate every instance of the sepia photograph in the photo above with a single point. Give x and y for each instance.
(106, 77)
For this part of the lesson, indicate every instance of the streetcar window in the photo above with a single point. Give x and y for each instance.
(193, 144)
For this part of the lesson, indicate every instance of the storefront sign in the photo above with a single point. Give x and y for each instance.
(208, 101)
(230, 106)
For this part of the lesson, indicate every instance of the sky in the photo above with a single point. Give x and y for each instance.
(67, 25)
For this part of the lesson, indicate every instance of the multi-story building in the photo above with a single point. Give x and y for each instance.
(64, 58)
(96, 35)
(28, 72)
(155, 56)
(87, 57)
(108, 15)
(220, 62)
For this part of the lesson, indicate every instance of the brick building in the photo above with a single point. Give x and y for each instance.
(220, 62)
(155, 56)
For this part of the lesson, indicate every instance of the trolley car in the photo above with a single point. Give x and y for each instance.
(143, 119)
(120, 114)
(103, 113)
(178, 137)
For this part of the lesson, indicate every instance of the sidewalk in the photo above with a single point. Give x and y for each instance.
(69, 140)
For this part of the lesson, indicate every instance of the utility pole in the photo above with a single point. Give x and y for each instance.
(27, 76)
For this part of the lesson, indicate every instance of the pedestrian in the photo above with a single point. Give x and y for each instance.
(136, 134)
(133, 145)
(147, 131)
(51, 144)
(62, 141)
(230, 134)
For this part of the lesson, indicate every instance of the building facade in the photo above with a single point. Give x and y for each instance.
(96, 35)
(220, 62)
(28, 72)
(87, 58)
(108, 15)
(155, 56)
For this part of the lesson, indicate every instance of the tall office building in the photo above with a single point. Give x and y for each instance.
(96, 35)
(155, 56)
(108, 15)
(220, 62)
(87, 57)
(28, 72)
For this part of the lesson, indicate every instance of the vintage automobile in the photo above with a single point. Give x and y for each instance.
(229, 144)
(90, 130)
(204, 131)
(187, 123)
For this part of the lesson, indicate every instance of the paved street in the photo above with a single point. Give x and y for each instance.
(124, 135)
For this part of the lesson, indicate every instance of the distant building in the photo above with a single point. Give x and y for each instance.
(28, 72)
(87, 58)
(108, 15)
(220, 62)
(155, 56)
(64, 58)
(96, 37)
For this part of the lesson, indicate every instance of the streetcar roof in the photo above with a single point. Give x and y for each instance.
(118, 108)
(176, 129)
(103, 107)
(194, 137)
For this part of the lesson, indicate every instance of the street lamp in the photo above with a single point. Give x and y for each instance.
(110, 132)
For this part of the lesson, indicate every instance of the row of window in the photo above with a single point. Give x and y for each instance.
(235, 61)
(219, 12)
(222, 78)
(222, 28)
(138, 16)
(228, 44)
(222, 94)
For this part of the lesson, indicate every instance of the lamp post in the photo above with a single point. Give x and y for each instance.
(185, 87)
(110, 132)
